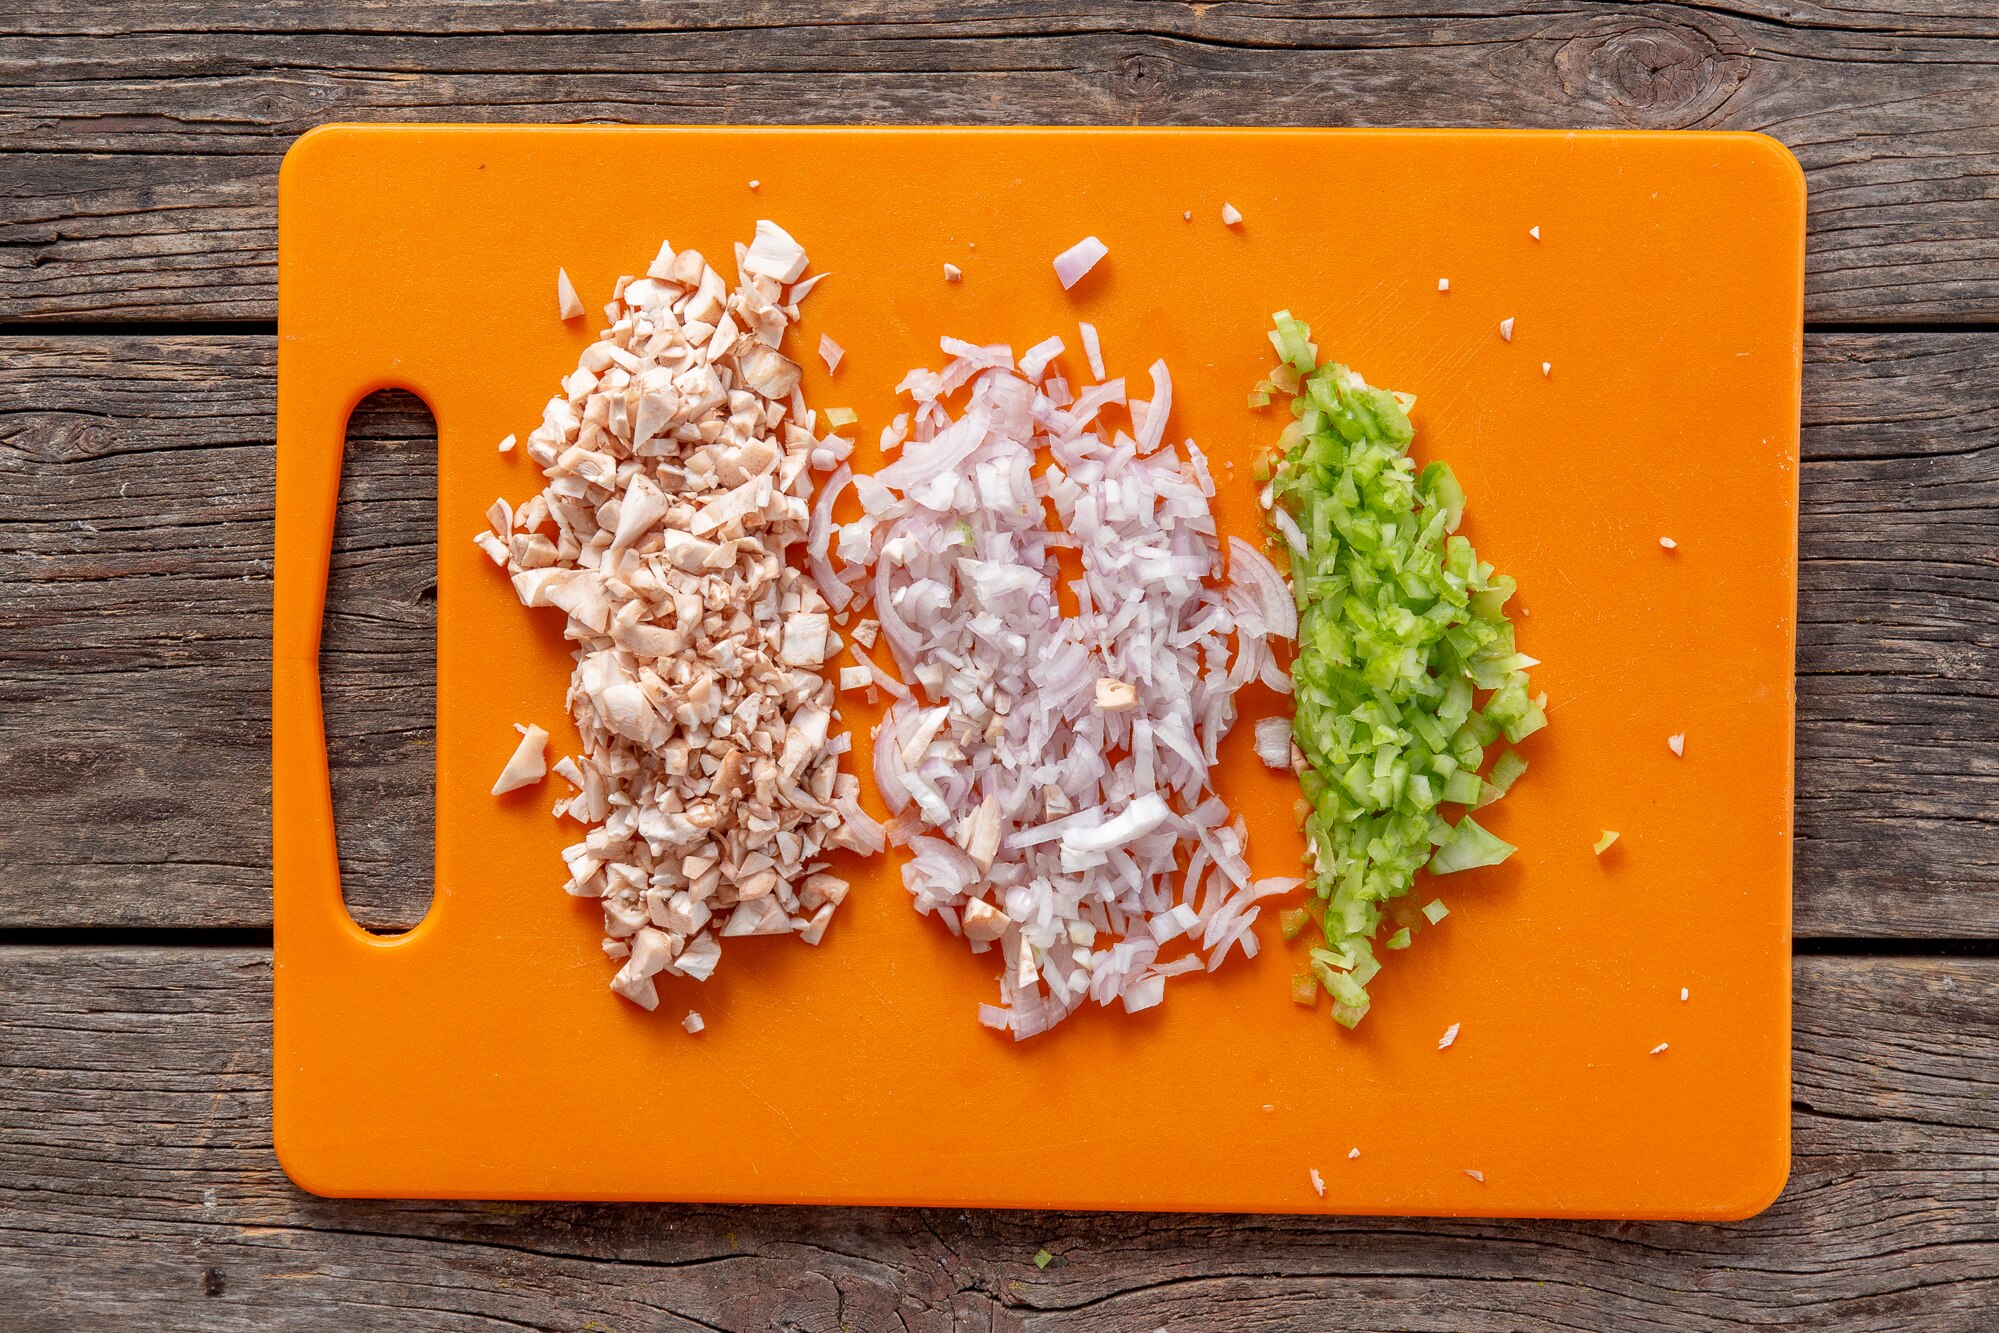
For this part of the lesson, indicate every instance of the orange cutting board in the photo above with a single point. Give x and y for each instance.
(481, 1053)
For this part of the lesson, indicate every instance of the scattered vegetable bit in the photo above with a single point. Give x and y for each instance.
(1401, 627)
(1273, 741)
(1230, 215)
(507, 445)
(1506, 329)
(756, 185)
(1604, 840)
(567, 303)
(1187, 216)
(1479, 1176)
(1443, 284)
(1318, 1182)
(1547, 369)
(1305, 989)
(953, 273)
(1683, 995)
(1535, 232)
(1677, 743)
(1042, 1258)
(1506, 771)
(1669, 543)
(1450, 1035)
(1092, 350)
(1035, 360)
(1660, 1049)
(528, 764)
(830, 352)
(837, 417)
(1352, 1153)
(1400, 939)
(1078, 259)
(1291, 921)
(693, 1022)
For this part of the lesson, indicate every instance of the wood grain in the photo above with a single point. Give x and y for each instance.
(138, 1175)
(143, 139)
(135, 485)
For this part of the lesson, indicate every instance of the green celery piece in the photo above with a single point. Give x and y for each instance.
(1465, 788)
(1435, 911)
(1506, 771)
(1469, 848)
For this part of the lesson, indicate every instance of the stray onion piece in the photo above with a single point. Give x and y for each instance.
(1051, 774)
(676, 460)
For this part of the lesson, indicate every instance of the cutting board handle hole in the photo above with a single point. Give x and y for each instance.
(381, 607)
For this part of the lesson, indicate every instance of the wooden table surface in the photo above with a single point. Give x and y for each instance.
(140, 144)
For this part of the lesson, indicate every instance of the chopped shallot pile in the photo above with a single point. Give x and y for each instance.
(677, 465)
(1051, 774)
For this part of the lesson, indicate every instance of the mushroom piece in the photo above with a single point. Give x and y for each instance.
(774, 254)
(1116, 696)
(769, 371)
(983, 921)
(528, 764)
(567, 303)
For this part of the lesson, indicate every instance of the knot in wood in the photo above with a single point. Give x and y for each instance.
(1651, 74)
(1143, 76)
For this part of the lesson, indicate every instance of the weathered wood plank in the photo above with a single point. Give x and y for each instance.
(135, 1110)
(143, 139)
(135, 495)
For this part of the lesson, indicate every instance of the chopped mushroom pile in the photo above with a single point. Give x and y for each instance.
(1051, 775)
(678, 480)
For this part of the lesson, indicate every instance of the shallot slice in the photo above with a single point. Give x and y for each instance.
(1078, 259)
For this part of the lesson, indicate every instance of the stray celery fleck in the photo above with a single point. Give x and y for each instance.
(1042, 1258)
(1406, 674)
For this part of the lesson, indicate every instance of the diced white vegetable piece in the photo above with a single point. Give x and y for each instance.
(953, 273)
(1230, 215)
(830, 352)
(1506, 329)
(1116, 696)
(774, 254)
(495, 549)
(1273, 741)
(1093, 350)
(567, 303)
(693, 1022)
(1078, 259)
(528, 763)
(1144, 993)
(1450, 1035)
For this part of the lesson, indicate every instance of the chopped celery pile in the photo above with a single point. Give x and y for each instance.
(1406, 676)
